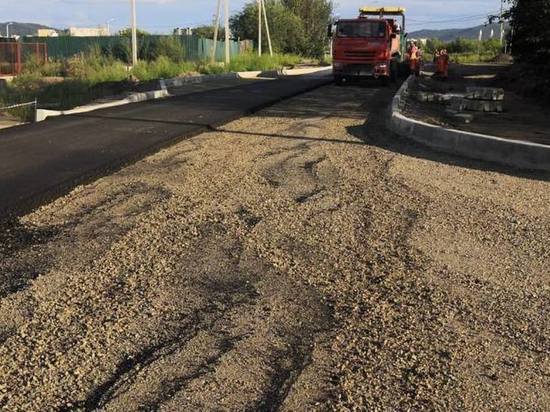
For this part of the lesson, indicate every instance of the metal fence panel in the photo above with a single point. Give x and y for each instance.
(196, 48)
(14, 56)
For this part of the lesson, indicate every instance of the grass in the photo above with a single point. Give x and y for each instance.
(253, 62)
(89, 76)
(463, 58)
(161, 68)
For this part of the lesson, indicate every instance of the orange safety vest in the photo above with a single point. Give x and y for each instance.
(414, 53)
(445, 64)
(439, 64)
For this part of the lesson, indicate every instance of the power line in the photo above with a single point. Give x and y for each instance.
(454, 20)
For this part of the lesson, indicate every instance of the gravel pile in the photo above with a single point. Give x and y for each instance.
(298, 259)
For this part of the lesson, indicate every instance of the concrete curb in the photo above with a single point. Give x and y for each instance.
(43, 114)
(518, 154)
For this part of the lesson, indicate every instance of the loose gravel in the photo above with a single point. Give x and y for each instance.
(302, 258)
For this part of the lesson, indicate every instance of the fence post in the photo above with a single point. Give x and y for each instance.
(18, 58)
(35, 109)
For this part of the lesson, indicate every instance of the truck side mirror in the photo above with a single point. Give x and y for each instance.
(329, 30)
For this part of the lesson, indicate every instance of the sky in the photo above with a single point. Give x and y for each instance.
(160, 16)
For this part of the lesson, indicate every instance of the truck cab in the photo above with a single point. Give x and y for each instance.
(371, 45)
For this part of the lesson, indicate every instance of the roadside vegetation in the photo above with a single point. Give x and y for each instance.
(96, 74)
(298, 30)
(466, 50)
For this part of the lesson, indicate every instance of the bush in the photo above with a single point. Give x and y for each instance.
(466, 50)
(465, 58)
(121, 51)
(49, 69)
(95, 67)
(169, 47)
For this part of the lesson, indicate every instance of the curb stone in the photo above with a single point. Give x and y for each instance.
(517, 154)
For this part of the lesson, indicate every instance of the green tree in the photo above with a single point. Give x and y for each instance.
(208, 32)
(128, 32)
(297, 26)
(432, 45)
(315, 15)
(531, 34)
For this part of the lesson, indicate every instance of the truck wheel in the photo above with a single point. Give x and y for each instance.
(339, 80)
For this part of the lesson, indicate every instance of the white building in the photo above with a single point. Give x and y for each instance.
(87, 31)
(47, 33)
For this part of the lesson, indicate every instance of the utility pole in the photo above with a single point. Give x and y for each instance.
(267, 29)
(8, 29)
(501, 22)
(479, 42)
(216, 28)
(259, 27)
(109, 26)
(227, 41)
(134, 34)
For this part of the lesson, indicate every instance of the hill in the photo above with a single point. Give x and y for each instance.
(452, 34)
(23, 29)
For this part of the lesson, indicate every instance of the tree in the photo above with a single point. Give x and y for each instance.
(128, 32)
(315, 15)
(297, 26)
(208, 32)
(531, 35)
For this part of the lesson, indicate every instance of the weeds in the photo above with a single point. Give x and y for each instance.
(251, 62)
(161, 68)
(463, 58)
(95, 74)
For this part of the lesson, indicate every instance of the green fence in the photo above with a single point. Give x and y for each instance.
(196, 48)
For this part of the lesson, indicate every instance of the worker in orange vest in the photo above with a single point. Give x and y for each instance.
(414, 58)
(444, 64)
(437, 61)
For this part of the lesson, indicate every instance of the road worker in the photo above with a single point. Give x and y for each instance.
(414, 58)
(444, 64)
(438, 63)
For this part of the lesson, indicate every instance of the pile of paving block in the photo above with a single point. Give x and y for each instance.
(476, 99)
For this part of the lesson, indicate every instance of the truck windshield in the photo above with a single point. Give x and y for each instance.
(361, 29)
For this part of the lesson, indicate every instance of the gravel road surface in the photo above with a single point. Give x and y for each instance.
(299, 259)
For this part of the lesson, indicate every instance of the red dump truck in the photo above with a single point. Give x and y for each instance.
(372, 45)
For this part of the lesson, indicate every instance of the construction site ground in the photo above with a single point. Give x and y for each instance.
(523, 118)
(298, 259)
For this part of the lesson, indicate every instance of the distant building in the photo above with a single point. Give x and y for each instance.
(47, 33)
(87, 31)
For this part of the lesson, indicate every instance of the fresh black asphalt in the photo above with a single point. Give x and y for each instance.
(41, 161)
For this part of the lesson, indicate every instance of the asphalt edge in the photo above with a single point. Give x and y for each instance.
(162, 92)
(517, 154)
(49, 194)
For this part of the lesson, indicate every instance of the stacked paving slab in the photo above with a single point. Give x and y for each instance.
(476, 99)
